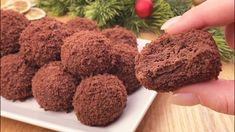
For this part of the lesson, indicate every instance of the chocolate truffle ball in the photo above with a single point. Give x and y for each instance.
(82, 24)
(173, 61)
(16, 76)
(99, 100)
(53, 88)
(124, 66)
(12, 24)
(41, 41)
(86, 53)
(119, 35)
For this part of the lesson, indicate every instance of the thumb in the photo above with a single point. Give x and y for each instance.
(209, 13)
(217, 95)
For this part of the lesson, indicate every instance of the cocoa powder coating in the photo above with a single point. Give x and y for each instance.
(86, 53)
(16, 76)
(119, 35)
(53, 88)
(12, 24)
(99, 100)
(82, 24)
(124, 66)
(41, 41)
(173, 61)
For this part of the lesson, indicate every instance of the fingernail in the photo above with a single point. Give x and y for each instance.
(170, 22)
(185, 99)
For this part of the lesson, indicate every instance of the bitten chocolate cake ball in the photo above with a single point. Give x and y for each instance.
(53, 88)
(16, 76)
(82, 24)
(41, 41)
(119, 35)
(12, 24)
(100, 100)
(86, 53)
(124, 66)
(173, 61)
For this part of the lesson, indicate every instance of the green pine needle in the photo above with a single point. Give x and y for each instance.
(77, 7)
(161, 13)
(135, 24)
(226, 53)
(103, 11)
(54, 7)
(179, 7)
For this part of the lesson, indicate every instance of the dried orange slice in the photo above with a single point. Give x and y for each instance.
(35, 14)
(21, 6)
(3, 4)
(33, 2)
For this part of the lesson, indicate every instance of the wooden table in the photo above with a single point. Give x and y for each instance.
(161, 116)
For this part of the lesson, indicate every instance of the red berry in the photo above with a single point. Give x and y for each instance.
(143, 8)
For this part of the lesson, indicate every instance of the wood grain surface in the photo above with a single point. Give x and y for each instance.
(161, 116)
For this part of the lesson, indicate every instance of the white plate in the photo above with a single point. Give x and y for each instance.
(30, 112)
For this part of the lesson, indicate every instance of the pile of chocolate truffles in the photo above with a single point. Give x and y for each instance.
(68, 66)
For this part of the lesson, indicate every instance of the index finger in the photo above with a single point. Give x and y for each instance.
(208, 14)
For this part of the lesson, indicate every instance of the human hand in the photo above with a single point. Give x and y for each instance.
(217, 95)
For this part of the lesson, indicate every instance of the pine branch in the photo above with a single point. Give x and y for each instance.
(129, 19)
(75, 10)
(76, 7)
(161, 13)
(55, 7)
(135, 24)
(103, 11)
(179, 6)
(226, 53)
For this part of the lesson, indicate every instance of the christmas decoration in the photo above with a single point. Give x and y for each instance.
(113, 12)
(25, 7)
(21, 6)
(35, 14)
(143, 8)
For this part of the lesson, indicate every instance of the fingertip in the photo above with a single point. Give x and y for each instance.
(171, 22)
(184, 99)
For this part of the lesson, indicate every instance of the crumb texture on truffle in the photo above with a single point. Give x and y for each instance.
(172, 61)
(42, 39)
(82, 24)
(12, 24)
(16, 76)
(86, 53)
(53, 88)
(124, 66)
(99, 100)
(119, 35)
